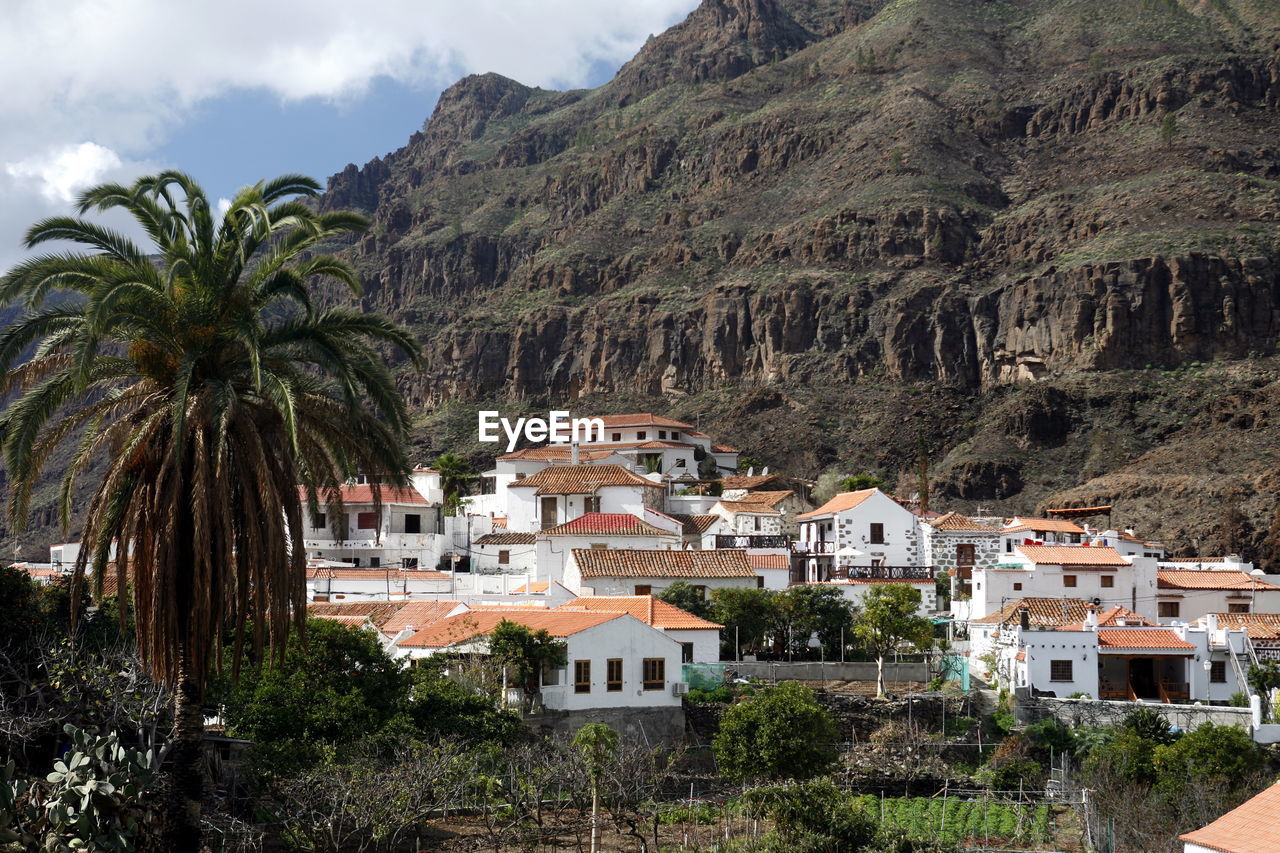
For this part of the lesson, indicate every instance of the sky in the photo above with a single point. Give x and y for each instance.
(239, 90)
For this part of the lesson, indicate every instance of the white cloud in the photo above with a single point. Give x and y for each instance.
(92, 86)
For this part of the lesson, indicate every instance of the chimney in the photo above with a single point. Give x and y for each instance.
(1024, 618)
(1091, 618)
(573, 453)
(1211, 623)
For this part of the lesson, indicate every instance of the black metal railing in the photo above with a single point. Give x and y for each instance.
(814, 548)
(759, 541)
(841, 573)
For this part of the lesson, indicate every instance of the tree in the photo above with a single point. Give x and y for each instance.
(1264, 677)
(1168, 129)
(1210, 756)
(817, 609)
(782, 733)
(888, 617)
(748, 617)
(596, 742)
(683, 595)
(212, 384)
(455, 478)
(525, 653)
(859, 482)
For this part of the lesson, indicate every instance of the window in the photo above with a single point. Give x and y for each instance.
(408, 562)
(757, 523)
(1241, 607)
(759, 582)
(319, 521)
(617, 436)
(547, 510)
(504, 557)
(1108, 581)
(655, 673)
(966, 555)
(413, 523)
(1167, 610)
(582, 676)
(876, 536)
(641, 435)
(375, 562)
(644, 589)
(1069, 580)
(355, 561)
(1017, 586)
(1060, 670)
(591, 503)
(674, 435)
(686, 652)
(366, 520)
(662, 434)
(613, 675)
(1218, 672)
(680, 463)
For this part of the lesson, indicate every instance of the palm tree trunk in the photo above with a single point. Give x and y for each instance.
(880, 676)
(185, 765)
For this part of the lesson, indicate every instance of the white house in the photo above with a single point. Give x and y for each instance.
(327, 582)
(1188, 594)
(1098, 574)
(700, 638)
(785, 501)
(1041, 531)
(518, 464)
(856, 589)
(749, 518)
(561, 493)
(614, 659)
(645, 572)
(773, 567)
(504, 552)
(1249, 828)
(402, 532)
(597, 530)
(859, 529)
(958, 545)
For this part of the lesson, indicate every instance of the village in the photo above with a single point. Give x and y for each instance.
(582, 540)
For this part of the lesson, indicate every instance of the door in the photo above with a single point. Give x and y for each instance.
(1142, 678)
(548, 512)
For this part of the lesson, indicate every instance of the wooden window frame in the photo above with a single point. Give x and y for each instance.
(1108, 581)
(362, 517)
(613, 675)
(1174, 609)
(582, 676)
(875, 533)
(654, 673)
(504, 557)
(1070, 581)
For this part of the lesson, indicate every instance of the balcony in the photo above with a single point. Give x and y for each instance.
(813, 549)
(840, 573)
(756, 541)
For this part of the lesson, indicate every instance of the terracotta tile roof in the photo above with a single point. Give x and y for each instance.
(580, 479)
(1250, 828)
(767, 498)
(377, 612)
(507, 538)
(748, 507)
(419, 614)
(724, 448)
(380, 575)
(364, 495)
(840, 503)
(742, 481)
(1210, 579)
(1113, 618)
(617, 563)
(532, 588)
(921, 581)
(606, 523)
(1141, 638)
(1259, 626)
(1194, 560)
(639, 419)
(424, 575)
(1072, 555)
(769, 561)
(956, 521)
(475, 623)
(647, 608)
(351, 621)
(1048, 525)
(1041, 612)
(559, 453)
(696, 524)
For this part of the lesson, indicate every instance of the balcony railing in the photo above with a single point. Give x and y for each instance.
(882, 572)
(757, 541)
(813, 549)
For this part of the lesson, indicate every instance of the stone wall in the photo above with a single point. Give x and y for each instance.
(649, 726)
(1094, 712)
(830, 671)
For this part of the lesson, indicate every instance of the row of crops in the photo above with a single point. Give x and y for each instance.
(955, 820)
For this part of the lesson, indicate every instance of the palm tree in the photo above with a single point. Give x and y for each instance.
(212, 386)
(455, 477)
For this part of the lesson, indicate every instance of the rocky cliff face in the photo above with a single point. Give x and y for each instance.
(778, 194)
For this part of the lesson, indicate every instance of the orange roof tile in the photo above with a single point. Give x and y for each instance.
(1072, 555)
(606, 523)
(559, 453)
(418, 614)
(376, 612)
(618, 563)
(769, 561)
(839, 503)
(639, 419)
(1250, 828)
(475, 623)
(1210, 579)
(532, 588)
(647, 608)
(352, 621)
(695, 524)
(956, 521)
(1046, 525)
(1260, 626)
(724, 448)
(1141, 638)
(1041, 612)
(580, 479)
(767, 498)
(364, 495)
(742, 481)
(506, 538)
(748, 507)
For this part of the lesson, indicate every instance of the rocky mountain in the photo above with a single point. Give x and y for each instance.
(1040, 238)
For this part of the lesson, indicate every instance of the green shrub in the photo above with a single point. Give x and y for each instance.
(783, 733)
